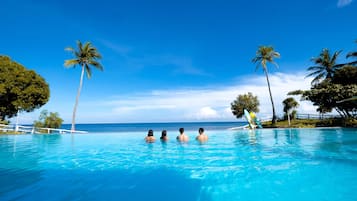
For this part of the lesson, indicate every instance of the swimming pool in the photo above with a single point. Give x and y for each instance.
(269, 164)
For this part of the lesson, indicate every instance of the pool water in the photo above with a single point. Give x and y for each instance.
(269, 164)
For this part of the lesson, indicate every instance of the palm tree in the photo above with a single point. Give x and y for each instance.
(85, 56)
(264, 55)
(325, 66)
(354, 55)
(289, 104)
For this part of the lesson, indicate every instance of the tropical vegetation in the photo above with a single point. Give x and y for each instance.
(325, 66)
(48, 120)
(86, 56)
(328, 94)
(245, 101)
(333, 83)
(312, 123)
(289, 105)
(20, 89)
(263, 56)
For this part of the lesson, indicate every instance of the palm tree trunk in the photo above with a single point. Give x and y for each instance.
(288, 113)
(273, 121)
(77, 99)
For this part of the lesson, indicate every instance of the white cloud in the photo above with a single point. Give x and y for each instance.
(207, 113)
(209, 103)
(189, 104)
(343, 3)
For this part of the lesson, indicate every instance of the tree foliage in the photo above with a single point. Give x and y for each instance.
(325, 66)
(345, 76)
(86, 56)
(48, 120)
(328, 94)
(245, 101)
(290, 104)
(20, 89)
(264, 55)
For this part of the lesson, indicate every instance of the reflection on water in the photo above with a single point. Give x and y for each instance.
(252, 137)
(274, 164)
(246, 137)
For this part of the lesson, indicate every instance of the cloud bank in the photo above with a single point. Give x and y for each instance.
(210, 103)
(206, 103)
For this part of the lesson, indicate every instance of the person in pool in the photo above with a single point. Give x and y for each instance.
(182, 137)
(164, 137)
(202, 137)
(150, 138)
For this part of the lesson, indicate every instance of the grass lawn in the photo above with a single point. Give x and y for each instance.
(312, 123)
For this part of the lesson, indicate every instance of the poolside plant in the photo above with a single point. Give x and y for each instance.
(48, 120)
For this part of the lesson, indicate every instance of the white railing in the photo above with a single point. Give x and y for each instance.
(35, 130)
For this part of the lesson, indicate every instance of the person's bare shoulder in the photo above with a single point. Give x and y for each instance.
(150, 139)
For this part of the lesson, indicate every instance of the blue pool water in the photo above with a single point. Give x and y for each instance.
(270, 164)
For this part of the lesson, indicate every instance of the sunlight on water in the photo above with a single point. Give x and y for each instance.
(294, 164)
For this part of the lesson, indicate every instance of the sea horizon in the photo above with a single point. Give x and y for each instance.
(156, 126)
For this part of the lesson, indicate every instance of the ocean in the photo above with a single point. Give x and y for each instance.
(144, 127)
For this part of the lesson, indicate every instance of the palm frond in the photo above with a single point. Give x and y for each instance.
(325, 65)
(316, 73)
(275, 64)
(265, 54)
(353, 63)
(257, 67)
(256, 59)
(71, 63)
(351, 54)
(86, 55)
(96, 64)
(80, 46)
(88, 71)
(335, 55)
(315, 68)
(317, 79)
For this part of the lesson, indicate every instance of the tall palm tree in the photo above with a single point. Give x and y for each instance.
(325, 66)
(354, 55)
(85, 56)
(264, 55)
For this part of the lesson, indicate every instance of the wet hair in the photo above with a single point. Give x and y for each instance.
(201, 130)
(151, 133)
(182, 130)
(163, 134)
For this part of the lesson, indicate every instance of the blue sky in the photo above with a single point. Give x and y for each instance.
(172, 60)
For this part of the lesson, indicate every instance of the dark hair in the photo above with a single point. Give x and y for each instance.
(201, 130)
(182, 130)
(163, 134)
(151, 133)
